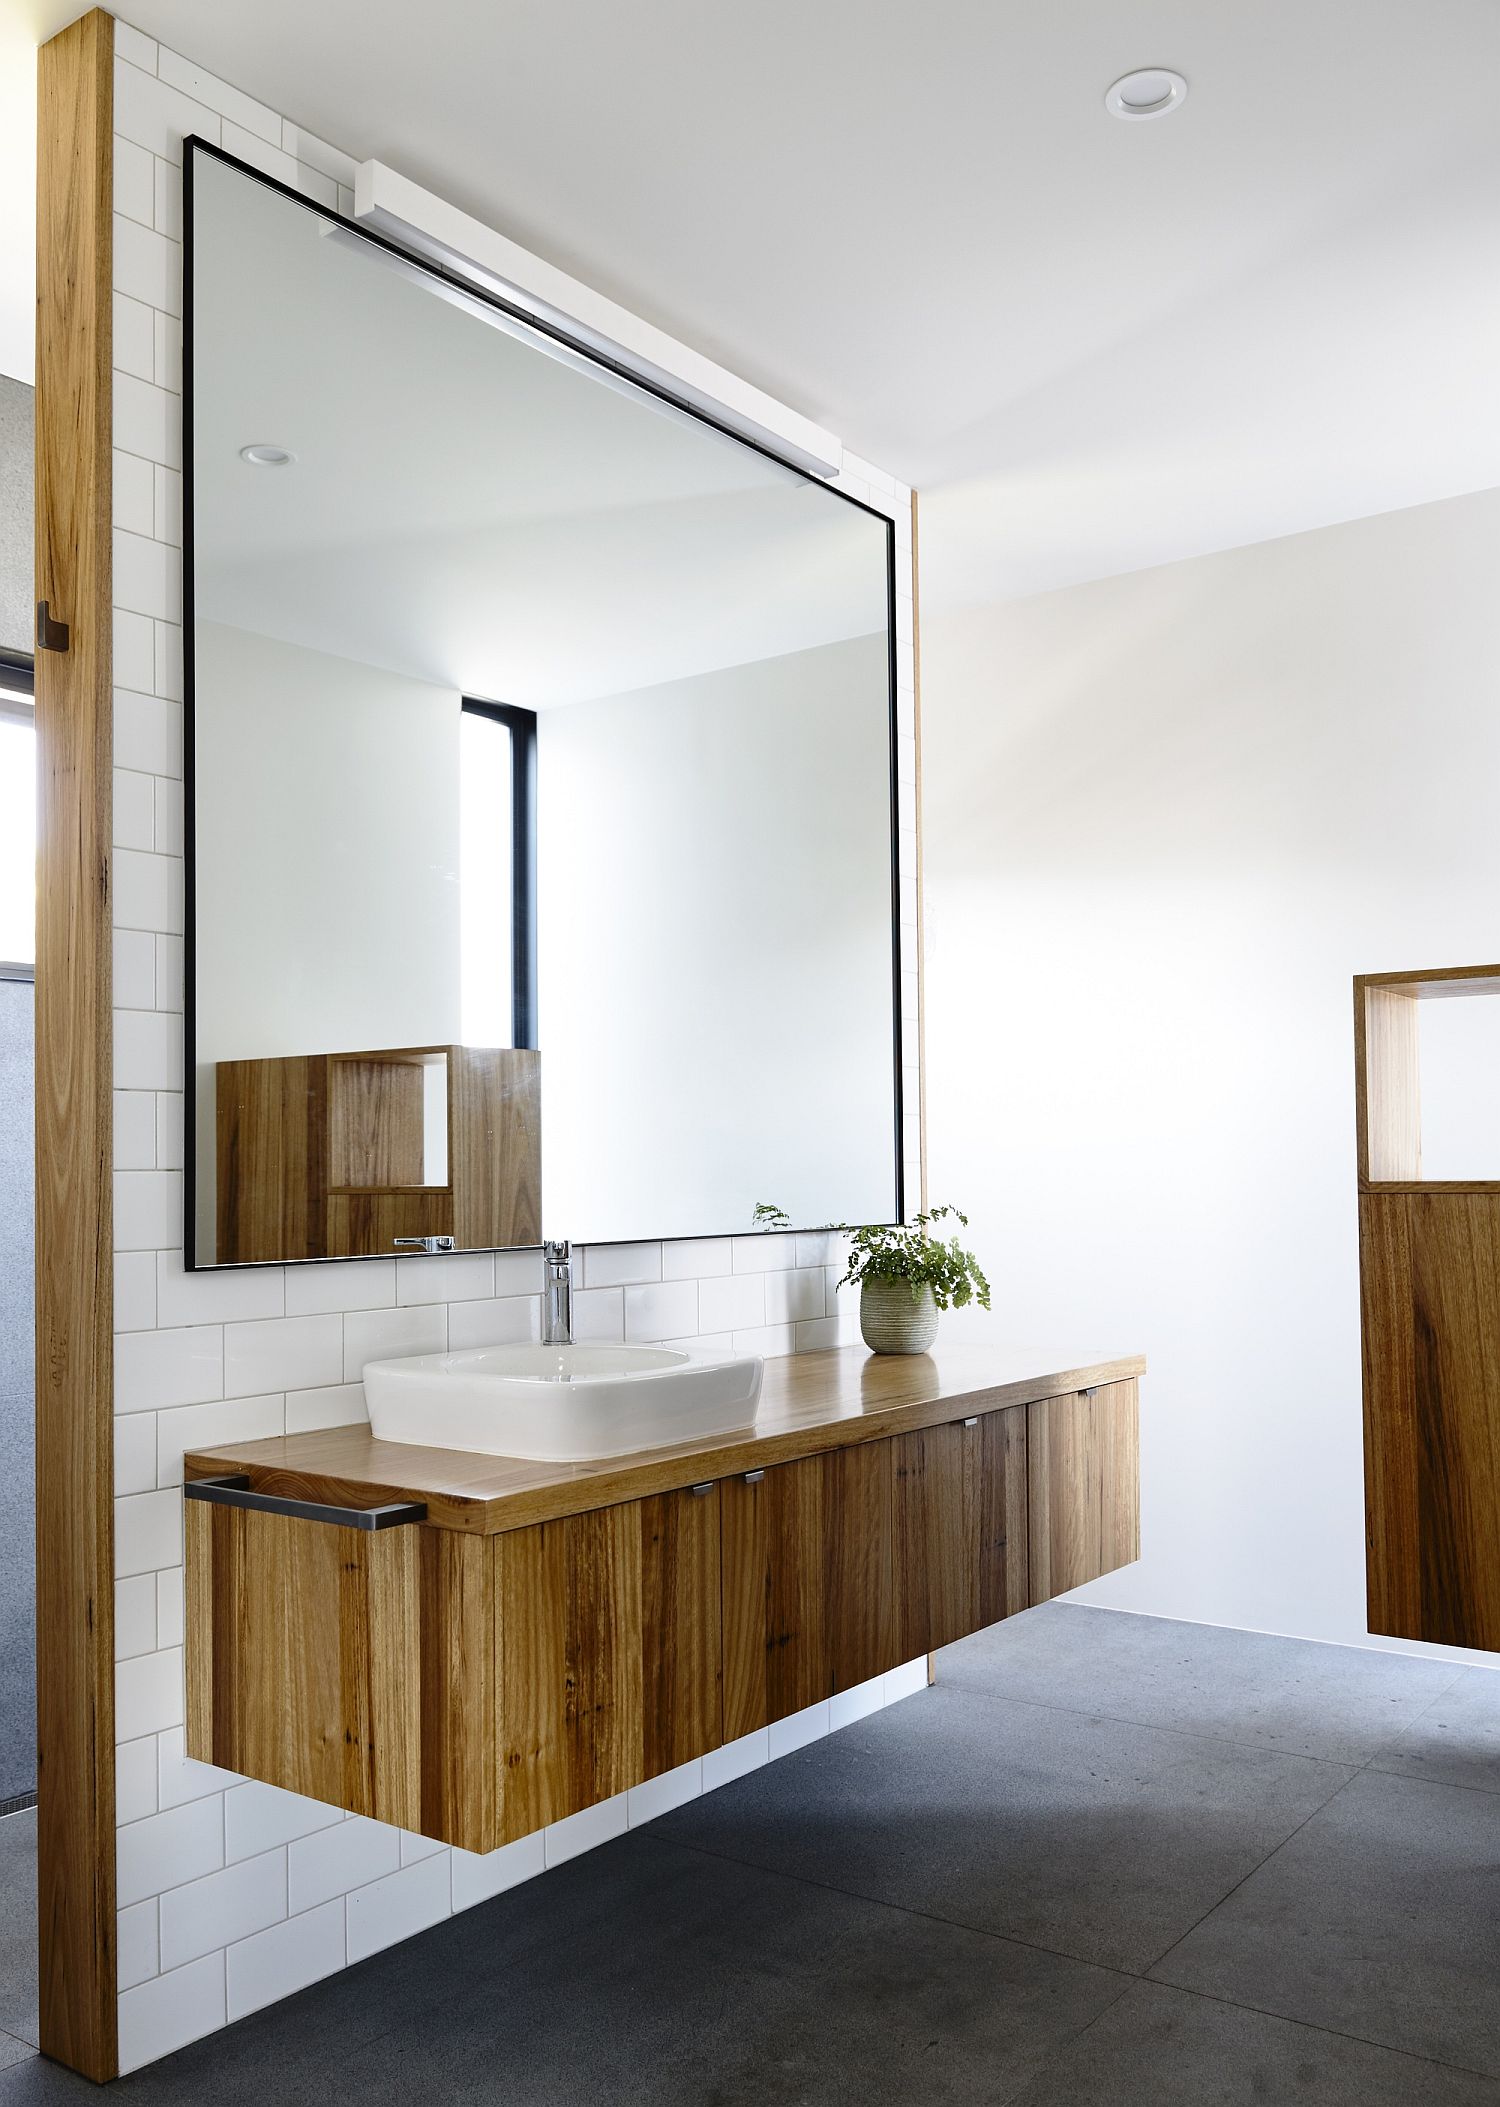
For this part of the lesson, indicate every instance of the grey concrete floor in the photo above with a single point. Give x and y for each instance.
(1108, 1860)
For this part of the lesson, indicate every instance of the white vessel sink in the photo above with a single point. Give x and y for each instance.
(561, 1404)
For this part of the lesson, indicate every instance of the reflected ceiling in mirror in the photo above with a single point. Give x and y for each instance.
(542, 868)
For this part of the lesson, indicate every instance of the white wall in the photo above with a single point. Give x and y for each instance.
(231, 1894)
(697, 917)
(1168, 817)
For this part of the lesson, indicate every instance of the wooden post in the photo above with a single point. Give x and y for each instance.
(74, 1145)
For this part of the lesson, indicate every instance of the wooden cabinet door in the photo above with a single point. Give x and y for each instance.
(809, 1595)
(961, 1553)
(607, 1653)
(1083, 1472)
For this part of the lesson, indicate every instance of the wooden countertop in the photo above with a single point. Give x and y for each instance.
(809, 1402)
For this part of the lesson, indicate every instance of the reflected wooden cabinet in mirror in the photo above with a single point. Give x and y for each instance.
(344, 1155)
(1428, 1118)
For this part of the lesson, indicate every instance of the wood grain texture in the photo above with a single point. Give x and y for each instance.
(810, 1403)
(776, 1645)
(74, 1189)
(607, 1653)
(322, 1155)
(858, 1543)
(1083, 1487)
(1388, 1095)
(308, 1658)
(1430, 1326)
(961, 1554)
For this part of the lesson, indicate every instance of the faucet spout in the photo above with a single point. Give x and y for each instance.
(557, 1295)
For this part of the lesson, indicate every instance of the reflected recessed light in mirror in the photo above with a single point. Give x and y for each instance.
(267, 456)
(1151, 91)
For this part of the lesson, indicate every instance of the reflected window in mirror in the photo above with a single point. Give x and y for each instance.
(497, 874)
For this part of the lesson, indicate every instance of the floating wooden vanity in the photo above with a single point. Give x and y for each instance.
(549, 1634)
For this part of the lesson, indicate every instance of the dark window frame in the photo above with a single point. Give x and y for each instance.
(521, 724)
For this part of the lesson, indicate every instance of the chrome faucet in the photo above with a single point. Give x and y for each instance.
(557, 1295)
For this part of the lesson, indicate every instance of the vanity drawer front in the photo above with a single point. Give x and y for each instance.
(961, 1552)
(1083, 1471)
(809, 1583)
(607, 1660)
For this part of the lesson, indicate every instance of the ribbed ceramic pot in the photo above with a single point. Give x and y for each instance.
(894, 1320)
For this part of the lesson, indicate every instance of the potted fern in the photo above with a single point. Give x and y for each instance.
(905, 1275)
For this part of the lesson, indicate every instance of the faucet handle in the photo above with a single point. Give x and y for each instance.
(557, 1254)
(423, 1243)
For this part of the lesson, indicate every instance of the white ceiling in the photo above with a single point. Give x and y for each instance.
(1097, 345)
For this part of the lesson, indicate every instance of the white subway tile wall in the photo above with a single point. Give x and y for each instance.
(234, 1894)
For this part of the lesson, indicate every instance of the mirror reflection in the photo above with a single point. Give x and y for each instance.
(542, 877)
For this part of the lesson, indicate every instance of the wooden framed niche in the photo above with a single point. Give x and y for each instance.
(1429, 1257)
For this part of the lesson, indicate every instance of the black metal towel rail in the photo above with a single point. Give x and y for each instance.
(234, 1491)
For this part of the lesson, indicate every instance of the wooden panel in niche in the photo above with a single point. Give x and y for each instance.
(1430, 1308)
(1083, 1487)
(607, 1648)
(74, 1187)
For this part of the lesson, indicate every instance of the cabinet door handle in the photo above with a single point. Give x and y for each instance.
(234, 1491)
(972, 1422)
(754, 1477)
(700, 1492)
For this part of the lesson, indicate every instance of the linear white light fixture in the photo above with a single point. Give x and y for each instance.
(393, 205)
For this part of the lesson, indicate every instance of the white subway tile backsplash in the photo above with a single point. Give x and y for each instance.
(770, 1253)
(135, 1616)
(132, 805)
(618, 1265)
(591, 1826)
(674, 1788)
(518, 1272)
(148, 1533)
(598, 1314)
(215, 94)
(148, 576)
(282, 1353)
(340, 1405)
(414, 1847)
(134, 1130)
(147, 422)
(135, 977)
(736, 1759)
(334, 1861)
(135, 1290)
(465, 1276)
(177, 1367)
(394, 1908)
(179, 1779)
(477, 1877)
(169, 962)
(662, 1309)
(791, 1297)
(135, 1452)
(222, 1907)
(765, 1339)
(170, 2011)
(508, 1320)
(134, 349)
(259, 1817)
(167, 1849)
(317, 154)
(148, 1695)
(286, 1958)
(155, 115)
(346, 1284)
(148, 1043)
(216, 1297)
(147, 268)
(166, 501)
(167, 199)
(135, 1779)
(169, 658)
(270, 159)
(731, 1302)
(379, 1335)
(167, 808)
(148, 731)
(134, 648)
(169, 1154)
(148, 891)
(817, 1333)
(137, 1957)
(133, 493)
(131, 44)
(696, 1258)
(166, 372)
(170, 1619)
(209, 1426)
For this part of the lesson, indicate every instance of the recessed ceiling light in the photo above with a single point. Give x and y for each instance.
(266, 456)
(1150, 92)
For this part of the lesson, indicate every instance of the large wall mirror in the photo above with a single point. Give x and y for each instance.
(542, 843)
